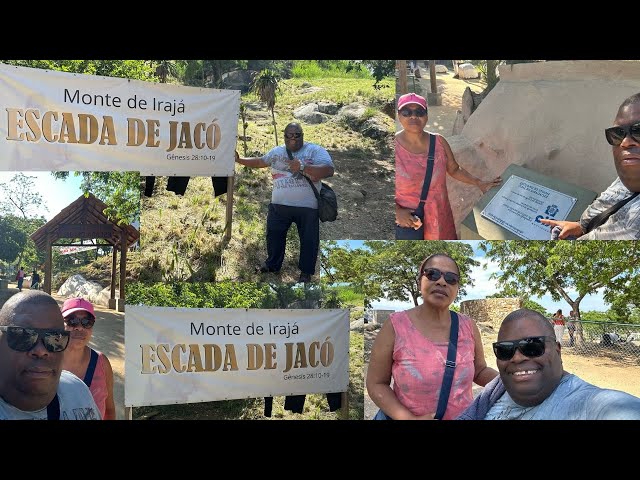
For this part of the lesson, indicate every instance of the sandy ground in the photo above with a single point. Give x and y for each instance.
(600, 371)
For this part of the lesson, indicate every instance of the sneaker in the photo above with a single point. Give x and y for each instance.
(304, 278)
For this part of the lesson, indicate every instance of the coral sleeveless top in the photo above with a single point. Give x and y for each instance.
(410, 172)
(99, 385)
(418, 367)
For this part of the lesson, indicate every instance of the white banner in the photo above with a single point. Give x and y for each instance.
(190, 355)
(54, 120)
(520, 204)
(70, 250)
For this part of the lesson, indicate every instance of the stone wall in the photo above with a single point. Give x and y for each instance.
(379, 316)
(490, 310)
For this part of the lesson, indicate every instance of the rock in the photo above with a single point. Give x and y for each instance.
(309, 114)
(78, 286)
(355, 195)
(352, 115)
(238, 80)
(374, 128)
(458, 123)
(329, 108)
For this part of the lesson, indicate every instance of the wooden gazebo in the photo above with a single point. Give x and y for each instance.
(84, 219)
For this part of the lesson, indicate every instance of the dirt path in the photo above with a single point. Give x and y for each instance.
(442, 117)
(364, 184)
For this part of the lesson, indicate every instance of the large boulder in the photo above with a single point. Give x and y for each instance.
(309, 114)
(238, 80)
(78, 286)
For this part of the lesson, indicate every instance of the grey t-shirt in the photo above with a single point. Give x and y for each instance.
(76, 403)
(291, 190)
(622, 225)
(573, 399)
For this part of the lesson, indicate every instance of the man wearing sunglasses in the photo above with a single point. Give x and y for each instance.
(615, 214)
(33, 385)
(292, 198)
(533, 384)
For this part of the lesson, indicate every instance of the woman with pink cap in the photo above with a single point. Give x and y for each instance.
(83, 361)
(423, 160)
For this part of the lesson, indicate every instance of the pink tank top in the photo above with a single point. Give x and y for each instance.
(418, 367)
(99, 385)
(410, 172)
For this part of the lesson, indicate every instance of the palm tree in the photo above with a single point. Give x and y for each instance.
(265, 86)
(165, 69)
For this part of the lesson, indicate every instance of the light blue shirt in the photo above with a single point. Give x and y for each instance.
(291, 190)
(76, 403)
(573, 399)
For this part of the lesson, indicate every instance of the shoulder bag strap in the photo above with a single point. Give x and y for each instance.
(315, 190)
(602, 217)
(93, 361)
(53, 409)
(427, 177)
(449, 369)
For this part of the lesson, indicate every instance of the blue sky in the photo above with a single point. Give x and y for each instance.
(484, 286)
(55, 194)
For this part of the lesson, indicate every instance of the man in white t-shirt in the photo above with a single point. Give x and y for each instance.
(292, 198)
(32, 383)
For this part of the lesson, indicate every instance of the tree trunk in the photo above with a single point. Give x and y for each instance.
(432, 76)
(401, 65)
(492, 78)
(275, 130)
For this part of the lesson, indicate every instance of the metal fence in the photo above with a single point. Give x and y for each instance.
(618, 341)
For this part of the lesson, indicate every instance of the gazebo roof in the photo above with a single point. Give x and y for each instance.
(83, 215)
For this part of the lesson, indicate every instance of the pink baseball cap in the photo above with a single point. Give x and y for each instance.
(411, 98)
(72, 305)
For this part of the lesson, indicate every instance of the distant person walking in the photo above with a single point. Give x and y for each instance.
(35, 281)
(20, 278)
(558, 325)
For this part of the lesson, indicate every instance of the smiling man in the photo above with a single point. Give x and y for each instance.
(615, 214)
(533, 384)
(33, 385)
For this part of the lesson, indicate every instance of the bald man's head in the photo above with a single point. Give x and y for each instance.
(30, 297)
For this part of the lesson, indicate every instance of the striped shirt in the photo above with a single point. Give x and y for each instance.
(622, 225)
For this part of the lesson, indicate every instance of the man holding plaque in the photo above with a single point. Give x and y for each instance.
(615, 214)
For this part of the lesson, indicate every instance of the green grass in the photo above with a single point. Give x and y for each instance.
(182, 236)
(308, 69)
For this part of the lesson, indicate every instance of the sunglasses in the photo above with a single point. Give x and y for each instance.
(293, 135)
(23, 339)
(615, 135)
(434, 274)
(86, 322)
(530, 347)
(407, 112)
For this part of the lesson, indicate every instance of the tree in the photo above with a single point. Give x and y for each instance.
(380, 69)
(560, 267)
(20, 198)
(119, 190)
(167, 68)
(12, 238)
(389, 269)
(135, 69)
(265, 86)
